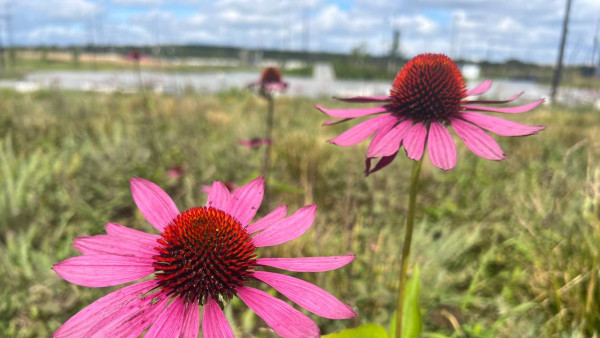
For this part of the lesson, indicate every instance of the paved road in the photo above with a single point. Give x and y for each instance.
(322, 84)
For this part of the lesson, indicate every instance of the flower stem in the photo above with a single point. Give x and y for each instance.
(410, 220)
(267, 159)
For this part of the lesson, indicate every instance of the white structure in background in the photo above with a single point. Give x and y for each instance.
(470, 71)
(323, 72)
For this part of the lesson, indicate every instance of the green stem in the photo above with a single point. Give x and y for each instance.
(410, 221)
(267, 159)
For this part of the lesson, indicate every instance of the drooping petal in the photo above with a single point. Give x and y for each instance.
(111, 245)
(191, 321)
(103, 270)
(131, 320)
(383, 162)
(440, 146)
(414, 141)
(481, 88)
(307, 264)
(169, 322)
(500, 126)
(364, 98)
(82, 321)
(506, 110)
(390, 142)
(279, 315)
(273, 217)
(218, 196)
(351, 113)
(480, 143)
(246, 200)
(510, 99)
(154, 203)
(214, 323)
(307, 295)
(362, 130)
(117, 230)
(380, 133)
(288, 229)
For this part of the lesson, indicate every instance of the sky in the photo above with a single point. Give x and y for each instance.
(495, 30)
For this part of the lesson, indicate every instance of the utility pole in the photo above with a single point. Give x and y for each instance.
(561, 52)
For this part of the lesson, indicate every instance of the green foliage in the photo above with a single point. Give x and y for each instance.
(363, 331)
(504, 248)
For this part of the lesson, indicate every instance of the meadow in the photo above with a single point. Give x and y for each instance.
(504, 249)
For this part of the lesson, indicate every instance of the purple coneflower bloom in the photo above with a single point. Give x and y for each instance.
(270, 81)
(203, 257)
(255, 142)
(427, 95)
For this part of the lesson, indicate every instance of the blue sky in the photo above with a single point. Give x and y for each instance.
(496, 30)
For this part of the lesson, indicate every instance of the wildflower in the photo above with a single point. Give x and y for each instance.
(427, 95)
(255, 142)
(204, 256)
(176, 171)
(270, 81)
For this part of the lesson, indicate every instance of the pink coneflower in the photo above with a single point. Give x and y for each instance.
(203, 257)
(136, 56)
(427, 95)
(176, 171)
(255, 142)
(270, 81)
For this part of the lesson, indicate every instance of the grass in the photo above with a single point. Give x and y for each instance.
(504, 248)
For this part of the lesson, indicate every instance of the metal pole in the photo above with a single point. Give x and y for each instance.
(561, 52)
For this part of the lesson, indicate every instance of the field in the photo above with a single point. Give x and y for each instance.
(505, 249)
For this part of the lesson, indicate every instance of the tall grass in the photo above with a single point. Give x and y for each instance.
(505, 249)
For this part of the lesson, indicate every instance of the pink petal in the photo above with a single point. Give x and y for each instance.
(132, 320)
(364, 98)
(510, 99)
(307, 264)
(82, 321)
(272, 218)
(154, 203)
(307, 295)
(500, 126)
(506, 110)
(363, 130)
(441, 148)
(380, 133)
(288, 229)
(103, 270)
(414, 141)
(384, 162)
(246, 200)
(480, 143)
(279, 315)
(218, 196)
(351, 113)
(482, 88)
(214, 323)
(111, 245)
(390, 142)
(191, 321)
(171, 321)
(117, 230)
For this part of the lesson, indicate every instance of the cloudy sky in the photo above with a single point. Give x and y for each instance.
(496, 30)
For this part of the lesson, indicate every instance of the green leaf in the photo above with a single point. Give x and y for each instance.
(363, 331)
(411, 317)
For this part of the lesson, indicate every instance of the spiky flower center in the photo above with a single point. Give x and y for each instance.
(271, 75)
(429, 87)
(203, 253)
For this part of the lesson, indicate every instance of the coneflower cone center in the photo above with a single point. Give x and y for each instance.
(203, 253)
(271, 75)
(429, 87)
